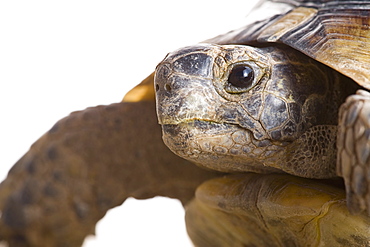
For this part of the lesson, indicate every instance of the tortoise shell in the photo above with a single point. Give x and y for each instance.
(335, 33)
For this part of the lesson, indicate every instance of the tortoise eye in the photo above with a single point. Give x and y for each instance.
(241, 79)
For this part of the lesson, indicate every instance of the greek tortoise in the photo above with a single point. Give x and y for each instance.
(258, 107)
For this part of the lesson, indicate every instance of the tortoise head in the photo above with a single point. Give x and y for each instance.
(238, 108)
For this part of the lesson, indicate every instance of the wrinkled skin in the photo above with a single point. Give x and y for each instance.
(284, 120)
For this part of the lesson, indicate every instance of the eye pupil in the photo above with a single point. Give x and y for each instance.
(241, 76)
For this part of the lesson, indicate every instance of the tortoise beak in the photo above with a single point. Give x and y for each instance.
(184, 87)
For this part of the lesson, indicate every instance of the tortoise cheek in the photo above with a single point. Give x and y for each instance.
(274, 114)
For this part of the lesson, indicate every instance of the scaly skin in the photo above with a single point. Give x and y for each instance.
(353, 162)
(284, 121)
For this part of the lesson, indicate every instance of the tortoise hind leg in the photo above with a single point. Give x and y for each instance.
(272, 210)
(86, 164)
(353, 143)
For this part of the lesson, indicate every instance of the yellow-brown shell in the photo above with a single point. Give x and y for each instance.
(335, 33)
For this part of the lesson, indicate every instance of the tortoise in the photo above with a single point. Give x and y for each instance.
(258, 107)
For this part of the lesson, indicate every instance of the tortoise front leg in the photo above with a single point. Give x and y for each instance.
(353, 143)
(86, 164)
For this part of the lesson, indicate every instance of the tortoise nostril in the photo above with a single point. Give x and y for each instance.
(156, 87)
(167, 87)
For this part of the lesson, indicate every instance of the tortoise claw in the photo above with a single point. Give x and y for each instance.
(353, 143)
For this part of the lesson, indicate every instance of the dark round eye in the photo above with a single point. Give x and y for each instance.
(241, 76)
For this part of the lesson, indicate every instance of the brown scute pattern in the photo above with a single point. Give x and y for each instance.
(338, 35)
(86, 164)
(354, 150)
(339, 39)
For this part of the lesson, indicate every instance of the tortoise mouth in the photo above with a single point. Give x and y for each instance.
(205, 124)
(218, 146)
(199, 127)
(187, 135)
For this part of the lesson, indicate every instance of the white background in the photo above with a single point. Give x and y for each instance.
(61, 56)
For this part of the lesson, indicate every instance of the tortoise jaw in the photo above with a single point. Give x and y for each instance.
(218, 146)
(202, 123)
(199, 124)
(188, 136)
